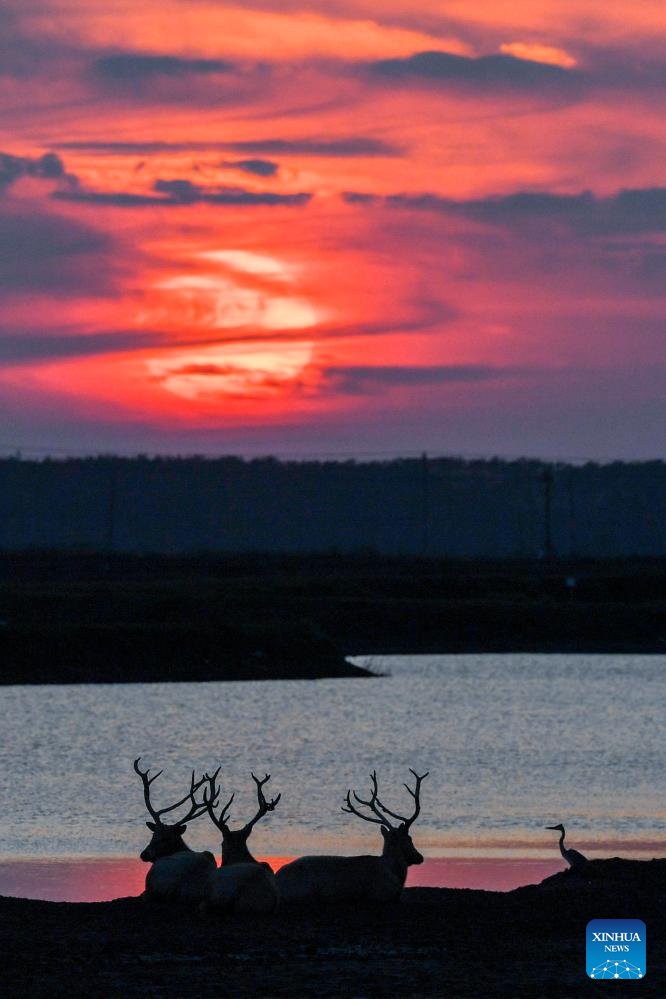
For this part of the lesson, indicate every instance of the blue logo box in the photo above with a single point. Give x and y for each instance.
(615, 948)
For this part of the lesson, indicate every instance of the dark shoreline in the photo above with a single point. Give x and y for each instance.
(35, 658)
(86, 618)
(438, 942)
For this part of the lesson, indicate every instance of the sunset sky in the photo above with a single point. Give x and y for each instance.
(348, 227)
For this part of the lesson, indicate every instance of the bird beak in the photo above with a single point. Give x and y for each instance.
(551, 827)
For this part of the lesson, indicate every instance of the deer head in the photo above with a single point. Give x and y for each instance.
(234, 842)
(168, 837)
(398, 846)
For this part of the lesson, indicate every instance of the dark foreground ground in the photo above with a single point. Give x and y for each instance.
(68, 618)
(525, 944)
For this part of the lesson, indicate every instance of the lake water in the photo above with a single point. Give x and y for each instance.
(512, 742)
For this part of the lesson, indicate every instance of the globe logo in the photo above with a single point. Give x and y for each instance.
(616, 969)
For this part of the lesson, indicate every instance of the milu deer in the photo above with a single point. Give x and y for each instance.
(310, 880)
(177, 872)
(241, 884)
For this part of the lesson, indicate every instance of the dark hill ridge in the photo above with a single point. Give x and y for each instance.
(458, 944)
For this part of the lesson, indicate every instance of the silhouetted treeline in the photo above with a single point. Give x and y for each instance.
(438, 507)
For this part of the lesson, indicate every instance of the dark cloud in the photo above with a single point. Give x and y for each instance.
(26, 53)
(336, 148)
(183, 192)
(115, 199)
(484, 72)
(44, 253)
(641, 210)
(46, 167)
(599, 69)
(260, 168)
(361, 198)
(179, 190)
(131, 66)
(640, 70)
(204, 370)
(186, 192)
(156, 79)
(634, 211)
(26, 348)
(368, 379)
(340, 147)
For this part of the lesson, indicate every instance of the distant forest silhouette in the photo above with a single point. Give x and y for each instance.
(435, 506)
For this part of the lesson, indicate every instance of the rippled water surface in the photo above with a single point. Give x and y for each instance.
(512, 743)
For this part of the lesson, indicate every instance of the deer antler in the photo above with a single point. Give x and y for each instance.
(196, 808)
(372, 804)
(210, 797)
(380, 810)
(416, 795)
(264, 806)
(211, 793)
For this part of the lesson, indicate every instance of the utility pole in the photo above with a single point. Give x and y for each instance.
(573, 539)
(548, 479)
(425, 504)
(111, 508)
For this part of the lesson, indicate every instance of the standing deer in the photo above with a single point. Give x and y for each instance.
(242, 883)
(176, 872)
(310, 880)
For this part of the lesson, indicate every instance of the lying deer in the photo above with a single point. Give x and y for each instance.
(242, 883)
(177, 872)
(311, 880)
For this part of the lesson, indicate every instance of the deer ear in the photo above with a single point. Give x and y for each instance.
(181, 829)
(152, 826)
(384, 831)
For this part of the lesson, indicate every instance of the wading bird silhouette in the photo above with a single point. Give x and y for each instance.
(574, 859)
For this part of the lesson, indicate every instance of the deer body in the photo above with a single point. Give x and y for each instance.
(338, 879)
(177, 873)
(314, 880)
(243, 888)
(184, 876)
(241, 884)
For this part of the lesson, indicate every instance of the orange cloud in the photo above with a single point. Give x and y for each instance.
(409, 242)
(547, 54)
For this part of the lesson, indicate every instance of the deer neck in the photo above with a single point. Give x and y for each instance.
(180, 846)
(236, 853)
(394, 860)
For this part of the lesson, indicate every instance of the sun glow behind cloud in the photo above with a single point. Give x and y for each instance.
(252, 371)
(246, 291)
(219, 303)
(248, 262)
(547, 54)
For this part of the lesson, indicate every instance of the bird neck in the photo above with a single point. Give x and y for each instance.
(562, 842)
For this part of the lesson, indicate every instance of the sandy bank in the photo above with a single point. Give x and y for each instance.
(529, 943)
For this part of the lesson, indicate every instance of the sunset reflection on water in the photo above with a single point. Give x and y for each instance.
(98, 879)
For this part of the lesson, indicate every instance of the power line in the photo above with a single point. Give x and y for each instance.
(46, 450)
(40, 452)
